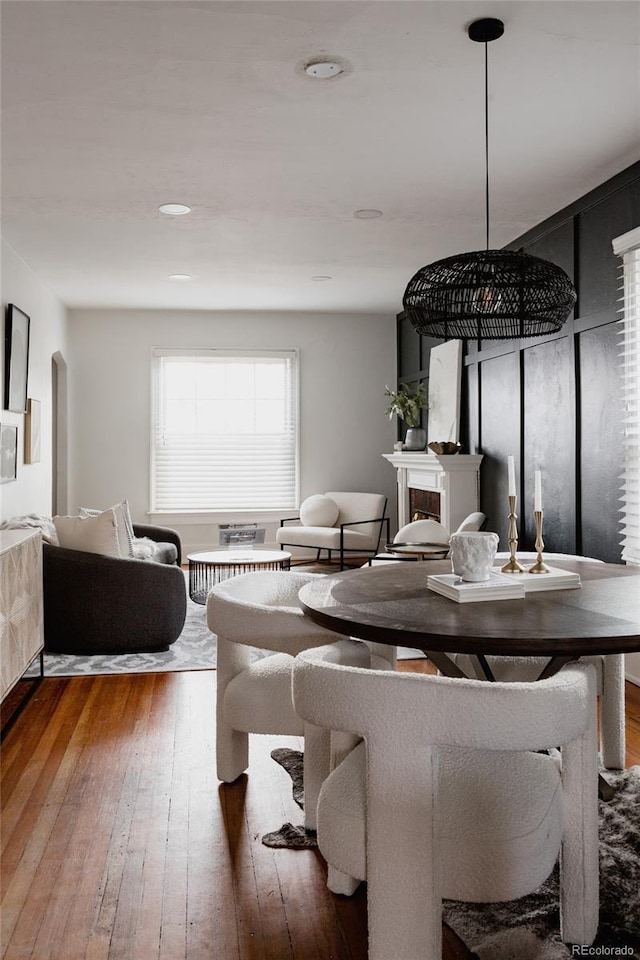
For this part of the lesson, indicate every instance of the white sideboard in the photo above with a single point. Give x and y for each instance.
(453, 482)
(21, 613)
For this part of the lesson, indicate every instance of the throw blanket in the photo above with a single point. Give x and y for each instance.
(33, 521)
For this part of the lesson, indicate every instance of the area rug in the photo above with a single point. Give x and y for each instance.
(528, 928)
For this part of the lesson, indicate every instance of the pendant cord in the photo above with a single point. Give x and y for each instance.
(486, 136)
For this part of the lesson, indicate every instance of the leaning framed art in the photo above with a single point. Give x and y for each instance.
(16, 359)
(32, 432)
(8, 453)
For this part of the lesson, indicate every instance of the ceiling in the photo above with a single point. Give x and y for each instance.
(112, 107)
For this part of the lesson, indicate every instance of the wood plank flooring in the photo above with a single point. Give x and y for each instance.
(118, 842)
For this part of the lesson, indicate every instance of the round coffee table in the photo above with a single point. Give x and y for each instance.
(207, 569)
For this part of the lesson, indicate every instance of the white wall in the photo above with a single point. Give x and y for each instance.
(31, 492)
(345, 362)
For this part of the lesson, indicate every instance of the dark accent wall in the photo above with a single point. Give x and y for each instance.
(554, 403)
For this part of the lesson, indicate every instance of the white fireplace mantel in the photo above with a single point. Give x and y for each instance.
(456, 478)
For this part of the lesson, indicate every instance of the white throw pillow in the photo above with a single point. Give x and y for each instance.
(144, 548)
(319, 511)
(90, 534)
(124, 522)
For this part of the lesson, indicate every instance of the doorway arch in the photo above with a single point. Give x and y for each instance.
(59, 435)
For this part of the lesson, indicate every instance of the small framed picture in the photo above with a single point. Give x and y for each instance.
(32, 432)
(16, 359)
(8, 453)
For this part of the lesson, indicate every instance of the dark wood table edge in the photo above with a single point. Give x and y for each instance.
(440, 641)
(569, 647)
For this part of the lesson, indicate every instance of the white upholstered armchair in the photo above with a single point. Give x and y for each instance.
(337, 522)
(421, 533)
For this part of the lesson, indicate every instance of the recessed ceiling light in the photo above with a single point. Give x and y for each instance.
(321, 278)
(180, 276)
(324, 69)
(174, 209)
(367, 214)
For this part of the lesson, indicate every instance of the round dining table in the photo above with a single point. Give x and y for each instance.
(392, 604)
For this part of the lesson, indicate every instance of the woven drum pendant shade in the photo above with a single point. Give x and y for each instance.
(489, 295)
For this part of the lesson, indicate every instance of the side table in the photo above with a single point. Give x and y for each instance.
(423, 551)
(207, 569)
(412, 551)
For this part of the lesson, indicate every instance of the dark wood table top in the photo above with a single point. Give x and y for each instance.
(390, 603)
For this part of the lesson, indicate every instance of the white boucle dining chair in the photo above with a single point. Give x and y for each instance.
(430, 532)
(445, 797)
(610, 672)
(261, 610)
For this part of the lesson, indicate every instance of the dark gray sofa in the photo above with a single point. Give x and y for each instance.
(97, 604)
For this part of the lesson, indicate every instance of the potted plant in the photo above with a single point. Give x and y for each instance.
(407, 403)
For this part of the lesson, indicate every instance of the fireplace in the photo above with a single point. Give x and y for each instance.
(444, 488)
(424, 504)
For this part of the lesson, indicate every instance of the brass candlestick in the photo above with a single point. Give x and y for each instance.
(539, 566)
(512, 565)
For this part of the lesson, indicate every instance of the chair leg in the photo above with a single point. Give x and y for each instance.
(317, 758)
(325, 749)
(612, 719)
(404, 918)
(579, 870)
(341, 883)
(232, 746)
(232, 752)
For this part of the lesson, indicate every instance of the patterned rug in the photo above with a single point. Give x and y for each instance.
(528, 928)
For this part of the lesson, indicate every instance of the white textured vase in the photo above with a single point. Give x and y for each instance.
(472, 554)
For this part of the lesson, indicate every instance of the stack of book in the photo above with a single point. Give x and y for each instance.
(555, 579)
(501, 586)
(497, 587)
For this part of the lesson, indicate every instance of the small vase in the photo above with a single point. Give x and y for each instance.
(416, 438)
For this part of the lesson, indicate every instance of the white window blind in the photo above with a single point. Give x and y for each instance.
(224, 432)
(628, 248)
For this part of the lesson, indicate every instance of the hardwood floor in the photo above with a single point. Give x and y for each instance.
(118, 842)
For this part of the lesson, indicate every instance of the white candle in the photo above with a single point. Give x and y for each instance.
(537, 491)
(512, 476)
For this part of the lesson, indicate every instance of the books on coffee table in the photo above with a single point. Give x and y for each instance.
(501, 586)
(497, 587)
(555, 579)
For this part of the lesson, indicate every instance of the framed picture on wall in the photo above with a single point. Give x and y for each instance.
(8, 453)
(16, 359)
(445, 378)
(32, 432)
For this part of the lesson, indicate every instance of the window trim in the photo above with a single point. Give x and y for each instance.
(200, 516)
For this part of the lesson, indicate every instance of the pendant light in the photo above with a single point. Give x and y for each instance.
(488, 294)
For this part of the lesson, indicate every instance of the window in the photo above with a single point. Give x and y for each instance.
(628, 248)
(224, 432)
